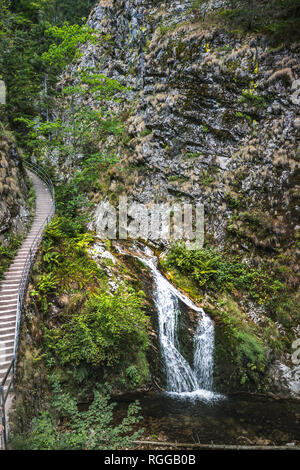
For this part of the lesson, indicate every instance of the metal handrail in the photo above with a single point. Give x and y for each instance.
(22, 289)
(33, 248)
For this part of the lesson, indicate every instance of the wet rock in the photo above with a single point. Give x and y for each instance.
(286, 379)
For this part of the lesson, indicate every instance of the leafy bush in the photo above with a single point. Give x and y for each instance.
(93, 429)
(251, 348)
(65, 255)
(109, 328)
(216, 271)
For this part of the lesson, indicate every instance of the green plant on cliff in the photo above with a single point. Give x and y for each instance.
(278, 18)
(240, 342)
(66, 47)
(64, 427)
(80, 130)
(65, 255)
(109, 329)
(213, 270)
(97, 329)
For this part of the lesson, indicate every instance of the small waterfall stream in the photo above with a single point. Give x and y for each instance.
(183, 380)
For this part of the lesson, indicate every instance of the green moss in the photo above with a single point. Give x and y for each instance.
(192, 154)
(241, 115)
(252, 99)
(145, 133)
(177, 178)
(206, 179)
(240, 340)
(182, 281)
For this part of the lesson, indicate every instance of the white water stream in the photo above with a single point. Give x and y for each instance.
(183, 380)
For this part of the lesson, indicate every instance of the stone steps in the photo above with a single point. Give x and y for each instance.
(9, 286)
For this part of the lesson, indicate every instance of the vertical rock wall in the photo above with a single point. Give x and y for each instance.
(14, 211)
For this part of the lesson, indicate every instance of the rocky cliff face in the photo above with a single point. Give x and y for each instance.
(14, 210)
(212, 116)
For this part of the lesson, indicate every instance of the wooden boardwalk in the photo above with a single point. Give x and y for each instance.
(9, 286)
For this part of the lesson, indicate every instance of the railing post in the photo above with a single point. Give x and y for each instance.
(3, 417)
(13, 374)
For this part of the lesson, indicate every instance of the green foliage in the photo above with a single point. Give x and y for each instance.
(55, 11)
(234, 202)
(252, 99)
(145, 132)
(133, 375)
(66, 48)
(192, 154)
(93, 429)
(65, 255)
(242, 348)
(78, 135)
(47, 283)
(109, 328)
(178, 178)
(86, 125)
(197, 3)
(205, 178)
(216, 271)
(23, 41)
(71, 195)
(8, 252)
(251, 347)
(280, 19)
(244, 116)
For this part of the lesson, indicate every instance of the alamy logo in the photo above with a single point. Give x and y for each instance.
(296, 353)
(156, 222)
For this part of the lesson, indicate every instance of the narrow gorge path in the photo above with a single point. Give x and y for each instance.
(10, 285)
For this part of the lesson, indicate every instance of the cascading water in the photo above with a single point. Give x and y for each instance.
(183, 380)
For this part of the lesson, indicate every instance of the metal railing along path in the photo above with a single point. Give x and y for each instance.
(8, 379)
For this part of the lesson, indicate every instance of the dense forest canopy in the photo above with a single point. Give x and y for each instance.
(23, 40)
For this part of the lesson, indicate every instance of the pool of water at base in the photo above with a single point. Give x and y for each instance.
(235, 419)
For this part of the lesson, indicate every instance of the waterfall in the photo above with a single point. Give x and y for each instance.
(183, 380)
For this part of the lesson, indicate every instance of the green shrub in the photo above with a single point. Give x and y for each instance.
(216, 271)
(93, 429)
(109, 329)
